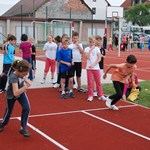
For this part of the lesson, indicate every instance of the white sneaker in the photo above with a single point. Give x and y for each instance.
(102, 98)
(56, 85)
(43, 81)
(108, 103)
(90, 99)
(52, 81)
(95, 93)
(114, 107)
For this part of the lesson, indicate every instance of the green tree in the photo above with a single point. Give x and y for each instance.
(138, 14)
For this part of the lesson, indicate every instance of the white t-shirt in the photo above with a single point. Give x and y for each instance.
(77, 56)
(50, 49)
(93, 57)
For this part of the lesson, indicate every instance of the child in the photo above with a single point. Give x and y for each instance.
(110, 47)
(50, 63)
(26, 48)
(77, 50)
(93, 71)
(66, 61)
(9, 51)
(149, 43)
(119, 77)
(58, 42)
(16, 91)
(132, 84)
(33, 56)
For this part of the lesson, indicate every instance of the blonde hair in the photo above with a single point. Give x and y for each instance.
(92, 38)
(31, 40)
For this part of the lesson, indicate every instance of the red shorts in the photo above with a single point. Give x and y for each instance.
(50, 65)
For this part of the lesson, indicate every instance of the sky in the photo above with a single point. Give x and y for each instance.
(7, 4)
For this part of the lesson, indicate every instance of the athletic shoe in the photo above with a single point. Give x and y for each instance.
(90, 98)
(1, 127)
(114, 107)
(71, 94)
(56, 85)
(95, 93)
(52, 81)
(108, 103)
(43, 81)
(2, 91)
(102, 98)
(63, 96)
(24, 132)
(81, 90)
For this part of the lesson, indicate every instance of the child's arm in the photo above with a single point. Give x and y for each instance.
(108, 69)
(64, 62)
(89, 53)
(17, 91)
(80, 48)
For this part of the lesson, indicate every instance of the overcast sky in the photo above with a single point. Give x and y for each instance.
(7, 4)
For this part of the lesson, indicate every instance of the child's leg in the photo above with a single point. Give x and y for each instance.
(23, 100)
(119, 92)
(47, 66)
(71, 84)
(8, 111)
(97, 79)
(90, 82)
(63, 85)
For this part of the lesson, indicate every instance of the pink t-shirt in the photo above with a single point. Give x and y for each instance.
(122, 73)
(26, 49)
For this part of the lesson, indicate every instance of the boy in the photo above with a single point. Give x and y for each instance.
(66, 61)
(120, 77)
(50, 63)
(7, 61)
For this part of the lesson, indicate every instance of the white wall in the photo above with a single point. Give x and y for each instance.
(100, 6)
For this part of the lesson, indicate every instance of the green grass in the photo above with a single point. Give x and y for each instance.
(144, 96)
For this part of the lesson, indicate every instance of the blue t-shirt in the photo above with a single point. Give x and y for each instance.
(9, 56)
(65, 55)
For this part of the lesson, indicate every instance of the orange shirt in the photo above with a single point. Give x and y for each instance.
(122, 73)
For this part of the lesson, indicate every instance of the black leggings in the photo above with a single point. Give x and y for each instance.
(119, 92)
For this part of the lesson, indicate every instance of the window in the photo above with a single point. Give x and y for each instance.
(94, 10)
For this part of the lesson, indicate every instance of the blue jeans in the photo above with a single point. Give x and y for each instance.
(30, 72)
(23, 100)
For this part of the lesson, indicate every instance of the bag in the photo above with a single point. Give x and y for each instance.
(133, 94)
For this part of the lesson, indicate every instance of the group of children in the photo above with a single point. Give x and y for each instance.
(69, 61)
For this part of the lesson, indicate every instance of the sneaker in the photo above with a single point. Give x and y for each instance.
(90, 98)
(71, 94)
(56, 85)
(43, 81)
(52, 81)
(24, 132)
(102, 98)
(63, 96)
(108, 103)
(95, 93)
(114, 107)
(81, 90)
(1, 127)
(2, 91)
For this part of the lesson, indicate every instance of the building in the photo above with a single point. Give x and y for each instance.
(38, 18)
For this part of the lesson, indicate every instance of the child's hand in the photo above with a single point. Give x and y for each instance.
(105, 75)
(68, 64)
(92, 66)
(28, 82)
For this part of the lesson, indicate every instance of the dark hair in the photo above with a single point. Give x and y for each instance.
(131, 59)
(24, 37)
(21, 65)
(11, 38)
(75, 34)
(58, 39)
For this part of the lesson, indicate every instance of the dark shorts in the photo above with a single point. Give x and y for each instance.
(69, 73)
(77, 67)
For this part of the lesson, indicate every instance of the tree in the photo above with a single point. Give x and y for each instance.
(139, 14)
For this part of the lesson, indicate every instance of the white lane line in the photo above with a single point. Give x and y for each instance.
(118, 126)
(71, 112)
(46, 136)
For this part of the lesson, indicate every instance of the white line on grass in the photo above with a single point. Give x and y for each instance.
(118, 126)
(46, 136)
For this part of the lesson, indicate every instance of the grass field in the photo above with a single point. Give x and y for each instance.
(144, 96)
